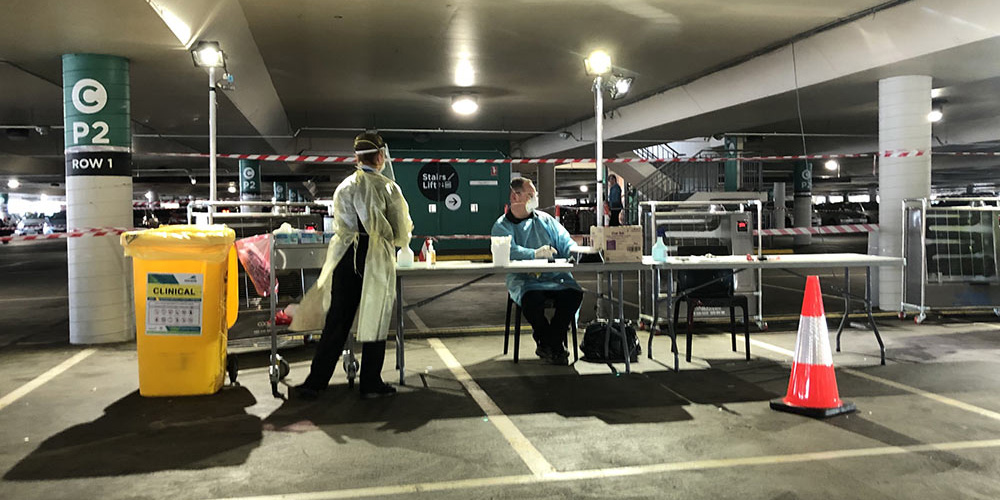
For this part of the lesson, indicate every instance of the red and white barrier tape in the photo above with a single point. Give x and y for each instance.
(351, 159)
(76, 233)
(845, 229)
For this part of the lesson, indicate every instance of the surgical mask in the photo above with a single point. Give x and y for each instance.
(532, 204)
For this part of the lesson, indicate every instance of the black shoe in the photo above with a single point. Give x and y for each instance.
(559, 359)
(305, 393)
(543, 353)
(383, 390)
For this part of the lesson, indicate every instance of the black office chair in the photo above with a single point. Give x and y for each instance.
(712, 288)
(549, 304)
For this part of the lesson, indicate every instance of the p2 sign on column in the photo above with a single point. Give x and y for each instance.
(98, 134)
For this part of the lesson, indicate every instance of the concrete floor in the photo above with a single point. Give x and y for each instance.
(471, 424)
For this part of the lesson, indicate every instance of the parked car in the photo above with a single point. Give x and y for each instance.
(31, 224)
(55, 223)
(835, 214)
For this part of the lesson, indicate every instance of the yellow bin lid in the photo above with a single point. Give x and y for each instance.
(180, 242)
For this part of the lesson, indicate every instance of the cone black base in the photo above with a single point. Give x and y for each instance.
(780, 405)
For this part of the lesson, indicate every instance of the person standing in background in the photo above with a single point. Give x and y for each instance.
(614, 204)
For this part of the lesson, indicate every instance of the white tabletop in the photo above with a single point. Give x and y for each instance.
(718, 262)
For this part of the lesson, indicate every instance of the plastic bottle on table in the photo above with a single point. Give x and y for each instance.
(659, 251)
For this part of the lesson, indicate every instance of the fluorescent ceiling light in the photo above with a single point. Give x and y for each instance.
(599, 63)
(464, 104)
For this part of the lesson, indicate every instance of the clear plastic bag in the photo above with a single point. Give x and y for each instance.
(255, 255)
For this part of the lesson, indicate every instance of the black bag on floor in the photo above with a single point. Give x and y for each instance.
(594, 341)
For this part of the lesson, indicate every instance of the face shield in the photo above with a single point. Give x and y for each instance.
(386, 168)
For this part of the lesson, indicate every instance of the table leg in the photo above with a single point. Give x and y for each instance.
(400, 361)
(868, 309)
(656, 309)
(670, 318)
(847, 304)
(626, 347)
(607, 327)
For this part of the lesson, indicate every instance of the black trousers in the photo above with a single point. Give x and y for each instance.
(346, 297)
(613, 217)
(551, 333)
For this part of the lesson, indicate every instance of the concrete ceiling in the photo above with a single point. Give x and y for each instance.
(302, 64)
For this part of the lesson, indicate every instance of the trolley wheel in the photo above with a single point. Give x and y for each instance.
(902, 315)
(919, 318)
(763, 327)
(352, 371)
(283, 368)
(307, 339)
(232, 368)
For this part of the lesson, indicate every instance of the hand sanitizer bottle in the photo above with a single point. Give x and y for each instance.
(659, 251)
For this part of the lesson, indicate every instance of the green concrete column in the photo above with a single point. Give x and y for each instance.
(250, 184)
(280, 191)
(98, 149)
(802, 183)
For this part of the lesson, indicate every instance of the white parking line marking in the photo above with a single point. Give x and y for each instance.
(417, 322)
(764, 460)
(903, 387)
(43, 378)
(24, 299)
(532, 457)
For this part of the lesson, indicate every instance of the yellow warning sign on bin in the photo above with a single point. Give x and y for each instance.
(173, 303)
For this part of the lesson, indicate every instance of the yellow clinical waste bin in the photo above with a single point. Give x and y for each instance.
(186, 298)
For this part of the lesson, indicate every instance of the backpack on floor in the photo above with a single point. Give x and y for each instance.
(594, 341)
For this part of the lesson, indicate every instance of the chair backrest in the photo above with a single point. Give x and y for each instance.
(721, 279)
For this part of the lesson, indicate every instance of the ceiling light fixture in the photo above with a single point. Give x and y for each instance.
(232, 187)
(599, 63)
(465, 104)
(619, 85)
(149, 196)
(208, 55)
(13, 183)
(584, 188)
(937, 110)
(831, 165)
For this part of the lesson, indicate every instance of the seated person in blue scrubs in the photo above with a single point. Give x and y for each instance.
(538, 235)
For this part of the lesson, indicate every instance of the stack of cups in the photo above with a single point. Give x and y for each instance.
(500, 247)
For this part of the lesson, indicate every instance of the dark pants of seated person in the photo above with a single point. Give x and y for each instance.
(551, 334)
(345, 299)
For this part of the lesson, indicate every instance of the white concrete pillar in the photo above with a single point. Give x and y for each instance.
(903, 105)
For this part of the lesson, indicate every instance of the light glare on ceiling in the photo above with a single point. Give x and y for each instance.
(599, 63)
(464, 104)
(831, 165)
(465, 75)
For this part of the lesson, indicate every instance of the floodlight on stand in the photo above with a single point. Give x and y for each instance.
(149, 196)
(619, 85)
(208, 55)
(831, 165)
(599, 63)
(465, 104)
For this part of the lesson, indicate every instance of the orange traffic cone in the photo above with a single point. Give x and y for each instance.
(812, 388)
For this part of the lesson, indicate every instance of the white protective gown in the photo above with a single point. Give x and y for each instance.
(380, 205)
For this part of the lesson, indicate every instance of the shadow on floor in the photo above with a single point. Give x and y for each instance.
(138, 435)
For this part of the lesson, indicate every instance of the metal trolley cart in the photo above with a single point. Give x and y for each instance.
(951, 251)
(298, 265)
(728, 224)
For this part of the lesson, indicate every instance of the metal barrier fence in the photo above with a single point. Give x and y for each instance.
(950, 246)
